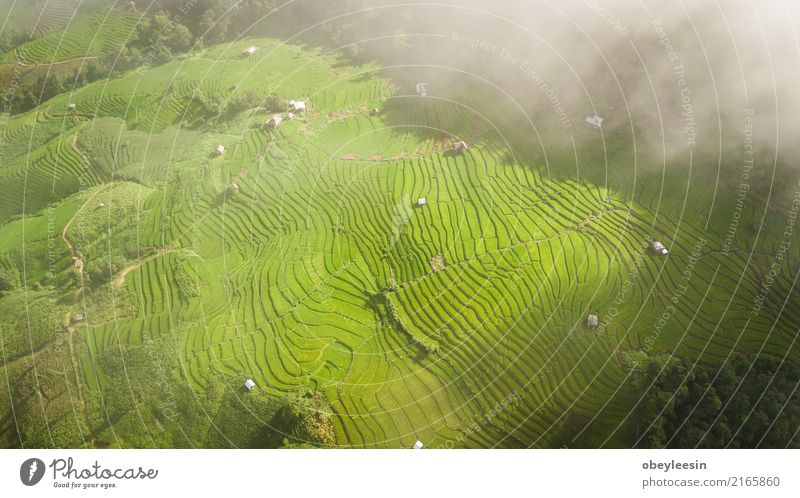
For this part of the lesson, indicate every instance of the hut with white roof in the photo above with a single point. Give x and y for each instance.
(595, 121)
(460, 147)
(659, 248)
(297, 105)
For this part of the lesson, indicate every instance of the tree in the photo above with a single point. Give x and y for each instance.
(127, 58)
(8, 279)
(180, 39)
(103, 269)
(745, 403)
(161, 35)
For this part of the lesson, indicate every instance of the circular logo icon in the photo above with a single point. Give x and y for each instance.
(31, 471)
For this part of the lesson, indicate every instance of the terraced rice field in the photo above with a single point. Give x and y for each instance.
(100, 32)
(300, 259)
(44, 16)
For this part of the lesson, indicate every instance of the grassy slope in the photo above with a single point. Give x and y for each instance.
(90, 34)
(316, 274)
(67, 35)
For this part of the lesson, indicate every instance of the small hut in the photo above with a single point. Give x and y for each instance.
(274, 121)
(249, 384)
(417, 446)
(78, 317)
(375, 112)
(220, 150)
(460, 147)
(659, 248)
(592, 322)
(422, 89)
(101, 205)
(595, 121)
(422, 202)
(289, 115)
(297, 105)
(249, 51)
(71, 106)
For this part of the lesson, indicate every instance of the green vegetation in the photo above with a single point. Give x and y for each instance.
(746, 403)
(106, 29)
(152, 276)
(8, 279)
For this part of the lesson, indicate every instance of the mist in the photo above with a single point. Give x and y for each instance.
(707, 82)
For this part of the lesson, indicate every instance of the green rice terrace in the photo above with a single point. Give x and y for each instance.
(383, 267)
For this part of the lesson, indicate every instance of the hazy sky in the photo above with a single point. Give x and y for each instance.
(691, 73)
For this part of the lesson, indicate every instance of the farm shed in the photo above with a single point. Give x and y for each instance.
(422, 201)
(595, 121)
(249, 50)
(418, 445)
(659, 248)
(71, 106)
(274, 121)
(592, 322)
(249, 384)
(298, 105)
(220, 149)
(78, 317)
(460, 147)
(422, 89)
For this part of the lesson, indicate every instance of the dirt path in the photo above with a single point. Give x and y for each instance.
(21, 61)
(77, 260)
(119, 280)
(76, 368)
(85, 159)
(79, 264)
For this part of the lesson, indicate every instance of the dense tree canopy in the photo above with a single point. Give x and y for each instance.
(745, 403)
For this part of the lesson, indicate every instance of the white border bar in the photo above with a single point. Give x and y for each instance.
(377, 473)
